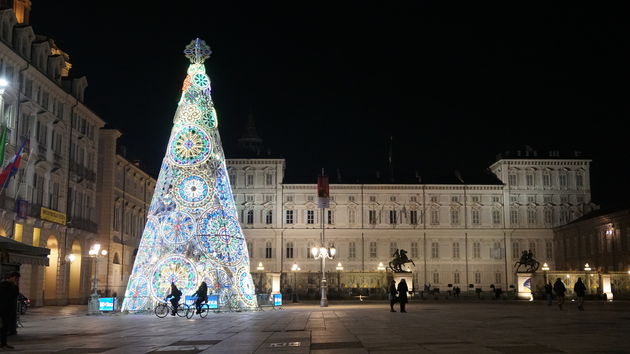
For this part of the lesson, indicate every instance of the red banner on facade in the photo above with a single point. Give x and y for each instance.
(323, 191)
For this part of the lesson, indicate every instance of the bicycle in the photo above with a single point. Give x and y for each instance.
(203, 310)
(164, 308)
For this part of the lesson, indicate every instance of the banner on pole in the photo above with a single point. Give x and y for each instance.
(323, 192)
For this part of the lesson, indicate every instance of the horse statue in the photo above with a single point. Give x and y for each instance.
(527, 260)
(400, 258)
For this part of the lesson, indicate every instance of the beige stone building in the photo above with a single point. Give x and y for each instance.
(124, 195)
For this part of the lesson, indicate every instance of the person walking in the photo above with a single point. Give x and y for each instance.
(549, 293)
(202, 296)
(580, 290)
(402, 294)
(559, 289)
(393, 298)
(9, 291)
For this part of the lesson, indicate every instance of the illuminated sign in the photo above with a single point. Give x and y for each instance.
(106, 304)
(53, 216)
(277, 299)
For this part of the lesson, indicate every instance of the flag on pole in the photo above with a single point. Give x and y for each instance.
(11, 168)
(323, 191)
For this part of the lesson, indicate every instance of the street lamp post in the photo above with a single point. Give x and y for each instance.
(323, 253)
(545, 269)
(295, 268)
(587, 269)
(95, 252)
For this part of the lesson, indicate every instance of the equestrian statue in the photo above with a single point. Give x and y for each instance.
(527, 260)
(400, 258)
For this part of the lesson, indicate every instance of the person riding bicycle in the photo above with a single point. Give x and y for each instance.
(202, 296)
(174, 296)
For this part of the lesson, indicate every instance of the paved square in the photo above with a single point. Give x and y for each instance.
(443, 326)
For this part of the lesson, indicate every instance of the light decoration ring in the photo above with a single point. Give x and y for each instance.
(246, 288)
(173, 269)
(220, 236)
(178, 227)
(137, 293)
(190, 146)
(201, 80)
(194, 191)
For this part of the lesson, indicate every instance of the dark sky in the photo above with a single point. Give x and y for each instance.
(453, 84)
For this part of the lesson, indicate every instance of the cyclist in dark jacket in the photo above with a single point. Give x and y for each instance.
(559, 289)
(174, 296)
(202, 296)
(580, 291)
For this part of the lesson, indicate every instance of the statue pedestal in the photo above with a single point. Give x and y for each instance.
(524, 281)
(408, 279)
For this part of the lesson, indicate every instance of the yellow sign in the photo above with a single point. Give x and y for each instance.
(53, 215)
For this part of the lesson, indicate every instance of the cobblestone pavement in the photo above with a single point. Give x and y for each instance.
(429, 326)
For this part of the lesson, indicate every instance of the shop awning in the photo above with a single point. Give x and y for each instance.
(12, 251)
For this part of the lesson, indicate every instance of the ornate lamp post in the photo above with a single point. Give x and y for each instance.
(545, 269)
(95, 252)
(324, 253)
(587, 269)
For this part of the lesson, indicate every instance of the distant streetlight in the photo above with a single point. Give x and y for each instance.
(260, 266)
(95, 252)
(545, 269)
(294, 268)
(587, 268)
(380, 267)
(339, 266)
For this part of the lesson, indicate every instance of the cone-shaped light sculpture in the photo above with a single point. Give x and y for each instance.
(192, 232)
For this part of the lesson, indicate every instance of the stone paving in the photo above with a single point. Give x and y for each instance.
(346, 327)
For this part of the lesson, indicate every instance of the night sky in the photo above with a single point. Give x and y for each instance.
(452, 84)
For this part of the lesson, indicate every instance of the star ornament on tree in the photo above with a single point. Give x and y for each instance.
(197, 51)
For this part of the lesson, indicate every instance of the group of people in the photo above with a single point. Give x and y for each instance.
(201, 294)
(560, 291)
(398, 295)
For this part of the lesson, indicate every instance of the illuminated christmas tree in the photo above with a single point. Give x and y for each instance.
(192, 232)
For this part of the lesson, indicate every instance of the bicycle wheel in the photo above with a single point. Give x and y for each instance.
(204, 310)
(161, 310)
(183, 310)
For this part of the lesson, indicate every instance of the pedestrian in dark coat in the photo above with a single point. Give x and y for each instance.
(393, 298)
(559, 289)
(9, 291)
(580, 291)
(549, 293)
(402, 294)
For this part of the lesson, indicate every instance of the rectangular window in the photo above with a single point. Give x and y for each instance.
(268, 179)
(454, 199)
(546, 180)
(563, 180)
(512, 180)
(392, 198)
(310, 198)
(249, 181)
(434, 199)
(249, 198)
(289, 250)
(413, 199)
(393, 246)
(531, 216)
(548, 216)
(250, 217)
(497, 278)
(373, 249)
(392, 216)
(372, 216)
(477, 278)
(529, 179)
(414, 249)
(413, 217)
(289, 216)
(352, 216)
(476, 250)
(456, 278)
(514, 216)
(331, 217)
(516, 252)
(269, 217)
(496, 199)
(476, 198)
(496, 217)
(564, 216)
(289, 198)
(532, 247)
(310, 216)
(372, 198)
(579, 181)
(352, 250)
(455, 216)
(456, 250)
(436, 278)
(435, 250)
(476, 220)
(435, 216)
(268, 198)
(268, 250)
(531, 199)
